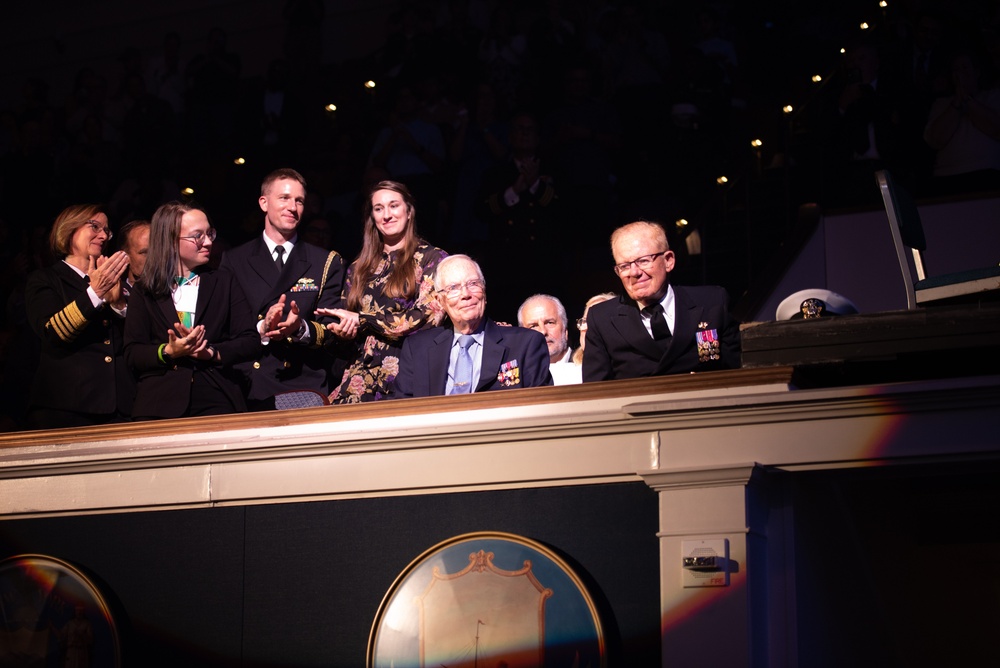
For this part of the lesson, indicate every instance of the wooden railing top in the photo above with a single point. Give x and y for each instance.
(639, 388)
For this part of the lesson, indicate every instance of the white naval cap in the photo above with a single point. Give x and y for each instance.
(814, 303)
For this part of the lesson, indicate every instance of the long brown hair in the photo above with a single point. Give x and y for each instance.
(163, 259)
(402, 283)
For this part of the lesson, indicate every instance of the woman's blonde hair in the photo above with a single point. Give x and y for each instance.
(67, 223)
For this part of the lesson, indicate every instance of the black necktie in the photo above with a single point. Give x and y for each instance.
(279, 261)
(657, 322)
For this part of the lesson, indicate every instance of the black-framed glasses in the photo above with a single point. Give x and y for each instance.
(643, 263)
(96, 227)
(198, 238)
(475, 286)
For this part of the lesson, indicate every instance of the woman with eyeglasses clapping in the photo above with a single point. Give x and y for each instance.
(187, 325)
(76, 308)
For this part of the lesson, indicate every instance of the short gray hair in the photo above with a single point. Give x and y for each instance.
(448, 260)
(559, 308)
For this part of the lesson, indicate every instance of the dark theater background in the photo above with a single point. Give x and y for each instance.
(270, 539)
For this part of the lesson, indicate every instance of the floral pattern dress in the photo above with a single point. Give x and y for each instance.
(383, 324)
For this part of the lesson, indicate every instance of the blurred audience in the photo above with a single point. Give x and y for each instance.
(964, 130)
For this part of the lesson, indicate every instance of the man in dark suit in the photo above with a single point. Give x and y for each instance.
(135, 243)
(659, 328)
(285, 280)
(474, 354)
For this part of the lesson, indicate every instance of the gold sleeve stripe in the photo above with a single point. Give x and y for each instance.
(67, 323)
(494, 203)
(319, 332)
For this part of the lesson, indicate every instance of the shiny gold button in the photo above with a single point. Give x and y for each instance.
(287, 365)
(259, 317)
(107, 342)
(107, 359)
(256, 365)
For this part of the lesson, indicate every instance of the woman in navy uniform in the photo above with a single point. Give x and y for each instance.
(76, 307)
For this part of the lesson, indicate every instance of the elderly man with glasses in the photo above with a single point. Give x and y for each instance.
(658, 328)
(473, 354)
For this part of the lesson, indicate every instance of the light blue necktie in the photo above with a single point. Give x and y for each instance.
(463, 366)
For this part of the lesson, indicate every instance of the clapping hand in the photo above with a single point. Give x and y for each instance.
(105, 274)
(274, 327)
(184, 342)
(347, 325)
(528, 172)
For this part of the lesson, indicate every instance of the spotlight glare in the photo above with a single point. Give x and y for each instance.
(722, 180)
(864, 25)
(187, 191)
(331, 107)
(756, 143)
(369, 84)
(883, 4)
(788, 108)
(816, 78)
(240, 161)
(681, 223)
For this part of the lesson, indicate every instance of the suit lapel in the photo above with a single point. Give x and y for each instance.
(72, 279)
(262, 264)
(494, 352)
(206, 286)
(438, 358)
(296, 266)
(168, 310)
(628, 322)
(686, 316)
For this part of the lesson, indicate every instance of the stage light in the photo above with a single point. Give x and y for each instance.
(756, 143)
(816, 78)
(369, 84)
(864, 25)
(788, 108)
(187, 191)
(331, 107)
(722, 180)
(681, 223)
(240, 161)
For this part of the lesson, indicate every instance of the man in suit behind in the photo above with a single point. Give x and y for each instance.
(659, 328)
(135, 243)
(285, 280)
(475, 354)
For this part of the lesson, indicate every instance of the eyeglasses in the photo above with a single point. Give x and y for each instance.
(581, 323)
(475, 286)
(96, 227)
(199, 237)
(643, 263)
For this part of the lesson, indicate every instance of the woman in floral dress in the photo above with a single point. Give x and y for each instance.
(389, 292)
